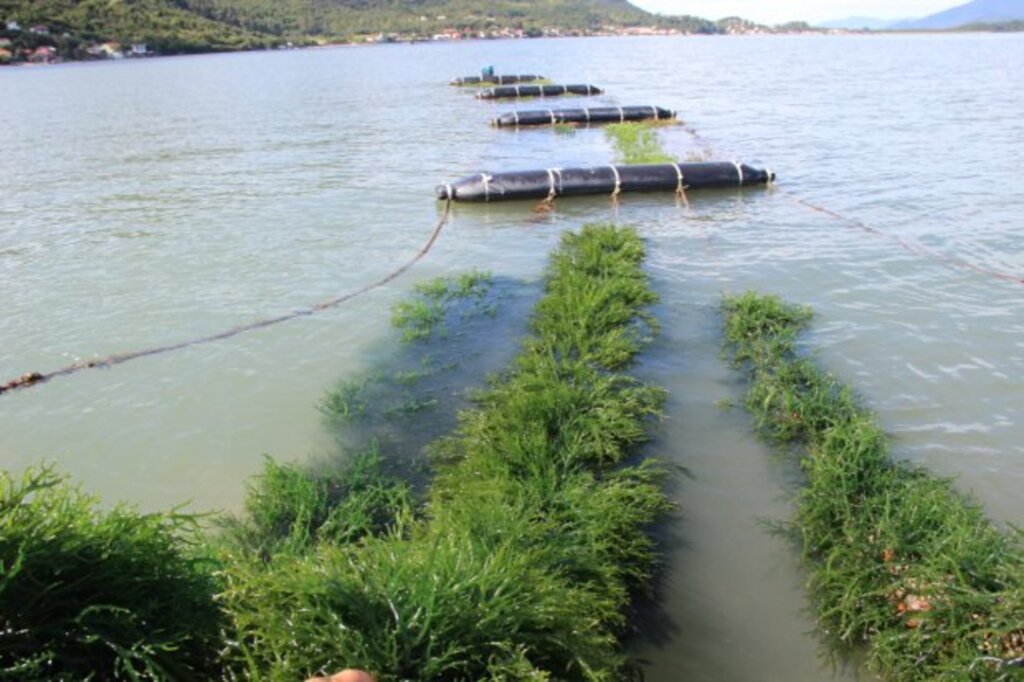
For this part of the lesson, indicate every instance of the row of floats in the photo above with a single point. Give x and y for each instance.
(550, 183)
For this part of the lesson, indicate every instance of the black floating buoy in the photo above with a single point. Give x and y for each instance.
(512, 91)
(499, 80)
(560, 182)
(543, 117)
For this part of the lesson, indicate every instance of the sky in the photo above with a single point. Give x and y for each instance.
(779, 11)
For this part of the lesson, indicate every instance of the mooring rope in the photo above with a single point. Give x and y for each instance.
(911, 246)
(33, 378)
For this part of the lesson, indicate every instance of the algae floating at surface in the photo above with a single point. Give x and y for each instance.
(522, 563)
(519, 566)
(898, 560)
(87, 593)
(637, 143)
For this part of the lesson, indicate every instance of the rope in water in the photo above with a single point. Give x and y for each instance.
(911, 246)
(33, 378)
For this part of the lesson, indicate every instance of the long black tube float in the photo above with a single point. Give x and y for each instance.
(613, 180)
(496, 80)
(513, 91)
(587, 115)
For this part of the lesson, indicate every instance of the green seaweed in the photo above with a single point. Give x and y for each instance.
(289, 509)
(519, 563)
(349, 401)
(426, 316)
(417, 319)
(637, 143)
(898, 559)
(92, 594)
(532, 539)
(421, 316)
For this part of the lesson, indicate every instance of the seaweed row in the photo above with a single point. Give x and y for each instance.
(897, 559)
(519, 564)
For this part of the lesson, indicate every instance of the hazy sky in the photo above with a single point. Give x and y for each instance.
(778, 11)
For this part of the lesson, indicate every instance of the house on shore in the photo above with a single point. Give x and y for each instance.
(108, 50)
(43, 54)
(13, 25)
(40, 30)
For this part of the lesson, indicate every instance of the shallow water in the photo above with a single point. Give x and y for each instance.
(146, 202)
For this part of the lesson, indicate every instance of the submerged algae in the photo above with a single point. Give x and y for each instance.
(418, 382)
(419, 317)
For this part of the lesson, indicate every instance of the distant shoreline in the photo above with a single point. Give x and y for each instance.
(413, 41)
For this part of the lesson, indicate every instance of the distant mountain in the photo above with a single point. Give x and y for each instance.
(855, 23)
(976, 12)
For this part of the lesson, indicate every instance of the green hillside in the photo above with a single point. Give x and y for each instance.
(165, 25)
(175, 26)
(346, 17)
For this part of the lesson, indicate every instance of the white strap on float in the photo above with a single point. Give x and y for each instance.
(679, 178)
(554, 184)
(622, 115)
(565, 89)
(654, 110)
(515, 116)
(739, 171)
(551, 113)
(618, 181)
(486, 179)
(448, 193)
(517, 91)
(586, 112)
(680, 186)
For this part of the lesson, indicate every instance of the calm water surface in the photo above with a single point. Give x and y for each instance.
(146, 202)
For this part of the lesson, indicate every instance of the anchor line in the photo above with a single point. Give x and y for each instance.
(908, 245)
(30, 379)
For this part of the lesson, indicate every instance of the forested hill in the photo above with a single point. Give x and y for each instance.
(339, 17)
(171, 26)
(168, 26)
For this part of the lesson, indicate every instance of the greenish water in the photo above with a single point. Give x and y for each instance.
(147, 202)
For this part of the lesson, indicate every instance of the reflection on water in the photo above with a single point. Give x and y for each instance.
(151, 201)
